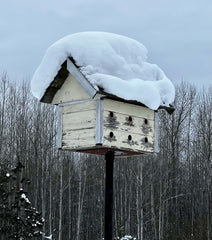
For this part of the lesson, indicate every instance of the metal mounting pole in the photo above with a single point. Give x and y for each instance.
(109, 157)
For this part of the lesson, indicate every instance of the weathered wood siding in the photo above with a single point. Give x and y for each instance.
(71, 90)
(79, 125)
(128, 127)
(108, 124)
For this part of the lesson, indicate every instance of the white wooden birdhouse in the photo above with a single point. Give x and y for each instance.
(92, 118)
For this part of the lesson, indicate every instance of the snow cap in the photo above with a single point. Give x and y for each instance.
(110, 61)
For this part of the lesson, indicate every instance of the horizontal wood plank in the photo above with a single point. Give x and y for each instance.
(79, 125)
(79, 120)
(129, 109)
(78, 139)
(79, 107)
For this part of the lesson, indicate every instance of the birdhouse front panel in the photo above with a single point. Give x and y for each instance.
(78, 125)
(128, 127)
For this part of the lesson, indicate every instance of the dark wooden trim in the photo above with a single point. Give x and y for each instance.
(56, 84)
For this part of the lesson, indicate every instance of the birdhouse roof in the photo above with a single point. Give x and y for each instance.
(103, 62)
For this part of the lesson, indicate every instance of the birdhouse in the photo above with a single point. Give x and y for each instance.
(94, 115)
(93, 121)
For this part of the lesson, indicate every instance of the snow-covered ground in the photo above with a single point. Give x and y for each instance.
(110, 61)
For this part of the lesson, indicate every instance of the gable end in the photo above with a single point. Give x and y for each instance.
(74, 71)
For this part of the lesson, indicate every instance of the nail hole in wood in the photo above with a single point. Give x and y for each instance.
(129, 137)
(111, 114)
(130, 119)
(145, 121)
(146, 140)
(111, 134)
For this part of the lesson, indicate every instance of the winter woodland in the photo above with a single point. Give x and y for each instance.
(164, 196)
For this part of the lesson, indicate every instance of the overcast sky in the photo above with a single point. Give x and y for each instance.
(177, 33)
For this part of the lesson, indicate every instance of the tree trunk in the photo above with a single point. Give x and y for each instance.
(153, 211)
(50, 200)
(82, 177)
(60, 200)
(141, 199)
(69, 200)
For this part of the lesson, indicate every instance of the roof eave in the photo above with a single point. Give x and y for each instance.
(69, 66)
(169, 109)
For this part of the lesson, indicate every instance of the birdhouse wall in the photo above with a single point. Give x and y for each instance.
(128, 127)
(107, 124)
(78, 125)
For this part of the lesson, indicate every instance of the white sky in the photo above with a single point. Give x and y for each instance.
(177, 33)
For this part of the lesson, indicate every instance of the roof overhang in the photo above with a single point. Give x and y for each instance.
(69, 66)
(169, 109)
(56, 84)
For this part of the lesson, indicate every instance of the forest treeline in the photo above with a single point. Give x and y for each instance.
(167, 196)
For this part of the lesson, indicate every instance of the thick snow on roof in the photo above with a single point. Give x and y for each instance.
(110, 61)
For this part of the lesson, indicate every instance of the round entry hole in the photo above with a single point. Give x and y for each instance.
(145, 121)
(111, 134)
(146, 140)
(111, 114)
(129, 137)
(130, 119)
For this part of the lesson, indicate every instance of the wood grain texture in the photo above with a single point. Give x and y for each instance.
(79, 125)
(79, 107)
(80, 139)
